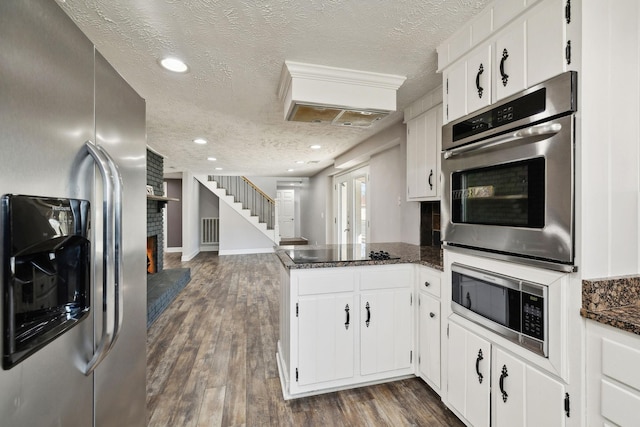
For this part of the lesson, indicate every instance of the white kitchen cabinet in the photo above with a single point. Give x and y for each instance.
(325, 338)
(429, 339)
(424, 142)
(518, 54)
(468, 375)
(429, 326)
(524, 396)
(509, 57)
(613, 387)
(385, 331)
(490, 386)
(325, 341)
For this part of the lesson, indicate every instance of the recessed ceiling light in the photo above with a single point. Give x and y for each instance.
(300, 162)
(218, 169)
(211, 159)
(289, 170)
(315, 147)
(174, 64)
(200, 141)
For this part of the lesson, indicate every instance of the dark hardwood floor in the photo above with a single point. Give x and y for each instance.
(211, 360)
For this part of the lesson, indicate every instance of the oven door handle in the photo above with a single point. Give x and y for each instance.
(530, 132)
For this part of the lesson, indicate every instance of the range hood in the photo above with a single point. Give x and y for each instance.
(337, 96)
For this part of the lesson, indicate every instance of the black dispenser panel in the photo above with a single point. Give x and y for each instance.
(45, 267)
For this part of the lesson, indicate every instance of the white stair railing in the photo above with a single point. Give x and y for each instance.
(251, 197)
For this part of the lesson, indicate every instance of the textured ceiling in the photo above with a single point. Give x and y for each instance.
(235, 50)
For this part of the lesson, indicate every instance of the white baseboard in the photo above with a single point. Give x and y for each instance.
(177, 249)
(189, 257)
(209, 248)
(245, 251)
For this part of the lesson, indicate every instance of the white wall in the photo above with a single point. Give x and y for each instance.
(317, 208)
(238, 236)
(208, 203)
(190, 216)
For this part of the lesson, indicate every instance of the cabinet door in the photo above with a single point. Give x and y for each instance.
(325, 338)
(510, 61)
(417, 141)
(433, 128)
(385, 331)
(478, 91)
(468, 374)
(429, 336)
(525, 396)
(455, 91)
(545, 41)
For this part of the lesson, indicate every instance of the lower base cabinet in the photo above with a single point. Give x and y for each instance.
(613, 387)
(490, 386)
(429, 339)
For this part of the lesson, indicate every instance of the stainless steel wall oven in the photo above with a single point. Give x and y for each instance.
(508, 177)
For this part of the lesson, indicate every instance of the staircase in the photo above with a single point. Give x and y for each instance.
(246, 199)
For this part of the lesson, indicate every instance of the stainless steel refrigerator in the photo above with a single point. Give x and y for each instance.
(71, 127)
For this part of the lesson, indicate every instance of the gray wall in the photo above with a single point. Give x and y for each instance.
(393, 219)
(209, 203)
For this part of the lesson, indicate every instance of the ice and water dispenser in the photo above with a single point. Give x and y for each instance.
(45, 266)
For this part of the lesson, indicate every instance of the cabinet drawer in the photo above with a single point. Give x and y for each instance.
(429, 281)
(386, 277)
(618, 404)
(620, 362)
(326, 282)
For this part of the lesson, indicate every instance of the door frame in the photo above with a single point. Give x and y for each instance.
(349, 179)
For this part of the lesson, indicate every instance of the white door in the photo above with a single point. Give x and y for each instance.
(286, 212)
(350, 201)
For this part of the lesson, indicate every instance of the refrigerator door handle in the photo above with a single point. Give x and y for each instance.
(112, 253)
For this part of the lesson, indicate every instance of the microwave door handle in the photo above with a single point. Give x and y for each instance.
(107, 299)
(533, 131)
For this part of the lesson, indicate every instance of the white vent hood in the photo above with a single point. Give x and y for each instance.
(320, 94)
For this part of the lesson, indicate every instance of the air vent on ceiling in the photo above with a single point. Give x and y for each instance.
(319, 94)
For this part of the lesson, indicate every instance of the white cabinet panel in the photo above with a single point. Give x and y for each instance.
(468, 375)
(424, 143)
(325, 338)
(455, 91)
(478, 84)
(385, 331)
(429, 351)
(510, 61)
(545, 42)
(508, 383)
(619, 405)
(544, 400)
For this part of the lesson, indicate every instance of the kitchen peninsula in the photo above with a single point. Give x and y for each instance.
(349, 316)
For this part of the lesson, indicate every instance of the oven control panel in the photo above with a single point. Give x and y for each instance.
(533, 315)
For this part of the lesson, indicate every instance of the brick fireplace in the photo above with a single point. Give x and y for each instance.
(155, 222)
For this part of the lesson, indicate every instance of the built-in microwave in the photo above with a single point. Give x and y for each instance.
(514, 308)
(508, 177)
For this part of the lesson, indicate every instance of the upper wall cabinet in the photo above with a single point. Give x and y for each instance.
(508, 47)
(424, 143)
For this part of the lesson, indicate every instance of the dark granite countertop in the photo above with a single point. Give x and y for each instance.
(613, 301)
(429, 256)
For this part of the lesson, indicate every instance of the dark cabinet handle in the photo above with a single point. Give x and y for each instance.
(427, 284)
(431, 183)
(346, 324)
(479, 359)
(478, 87)
(432, 315)
(503, 375)
(368, 314)
(505, 76)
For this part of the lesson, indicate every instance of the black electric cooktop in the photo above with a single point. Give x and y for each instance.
(340, 254)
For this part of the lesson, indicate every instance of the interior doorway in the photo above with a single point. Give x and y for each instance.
(286, 213)
(351, 216)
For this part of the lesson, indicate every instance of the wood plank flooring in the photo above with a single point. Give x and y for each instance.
(211, 360)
